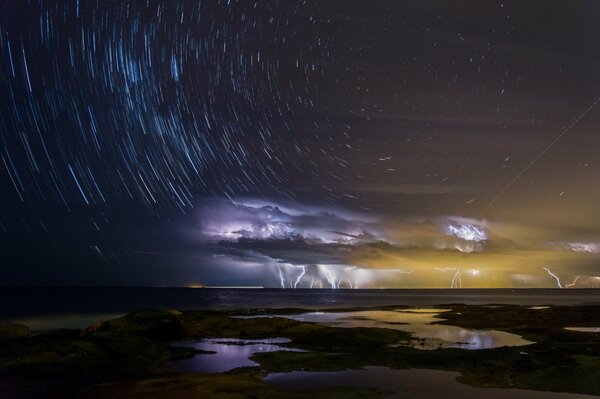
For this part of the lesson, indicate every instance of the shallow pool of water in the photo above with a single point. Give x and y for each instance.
(584, 329)
(229, 354)
(419, 322)
(410, 383)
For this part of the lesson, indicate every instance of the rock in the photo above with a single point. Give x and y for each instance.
(10, 331)
(154, 324)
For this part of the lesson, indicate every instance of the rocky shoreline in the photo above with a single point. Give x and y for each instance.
(128, 356)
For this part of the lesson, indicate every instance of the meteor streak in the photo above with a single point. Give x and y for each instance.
(538, 156)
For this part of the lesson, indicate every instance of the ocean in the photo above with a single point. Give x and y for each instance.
(76, 307)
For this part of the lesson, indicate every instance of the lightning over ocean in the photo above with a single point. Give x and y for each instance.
(299, 144)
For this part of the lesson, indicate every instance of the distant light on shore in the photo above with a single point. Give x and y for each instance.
(246, 287)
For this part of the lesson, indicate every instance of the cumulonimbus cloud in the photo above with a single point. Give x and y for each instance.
(310, 246)
(226, 220)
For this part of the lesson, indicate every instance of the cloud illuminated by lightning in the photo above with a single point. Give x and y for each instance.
(467, 232)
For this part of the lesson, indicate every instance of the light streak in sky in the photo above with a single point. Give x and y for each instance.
(554, 276)
(581, 280)
(402, 271)
(300, 276)
(332, 276)
(282, 280)
(350, 278)
(572, 284)
(591, 282)
(538, 156)
(456, 278)
(329, 275)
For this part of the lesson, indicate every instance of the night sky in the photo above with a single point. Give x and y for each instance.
(333, 144)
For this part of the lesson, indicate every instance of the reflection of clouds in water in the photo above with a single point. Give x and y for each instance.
(467, 338)
(230, 354)
(419, 324)
(584, 329)
(409, 383)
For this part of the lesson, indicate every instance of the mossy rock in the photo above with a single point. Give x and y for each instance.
(10, 331)
(151, 323)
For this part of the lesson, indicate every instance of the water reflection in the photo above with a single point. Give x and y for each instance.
(411, 383)
(419, 323)
(229, 354)
(584, 329)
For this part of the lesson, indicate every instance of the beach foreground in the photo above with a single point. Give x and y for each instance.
(390, 351)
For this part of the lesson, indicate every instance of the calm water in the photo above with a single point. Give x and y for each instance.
(410, 384)
(233, 353)
(230, 353)
(79, 307)
(419, 323)
(584, 329)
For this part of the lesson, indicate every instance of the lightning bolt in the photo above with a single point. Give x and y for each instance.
(334, 276)
(300, 276)
(572, 284)
(282, 280)
(350, 277)
(594, 281)
(555, 277)
(456, 278)
(330, 276)
(402, 271)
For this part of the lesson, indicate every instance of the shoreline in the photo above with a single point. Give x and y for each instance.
(140, 344)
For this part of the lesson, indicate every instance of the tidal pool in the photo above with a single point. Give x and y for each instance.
(410, 383)
(584, 329)
(419, 322)
(229, 353)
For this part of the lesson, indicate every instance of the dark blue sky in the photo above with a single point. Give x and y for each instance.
(123, 122)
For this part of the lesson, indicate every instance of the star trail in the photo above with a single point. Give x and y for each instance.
(298, 144)
(148, 102)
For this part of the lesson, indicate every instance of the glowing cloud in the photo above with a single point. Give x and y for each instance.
(292, 245)
(225, 220)
(581, 247)
(467, 232)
